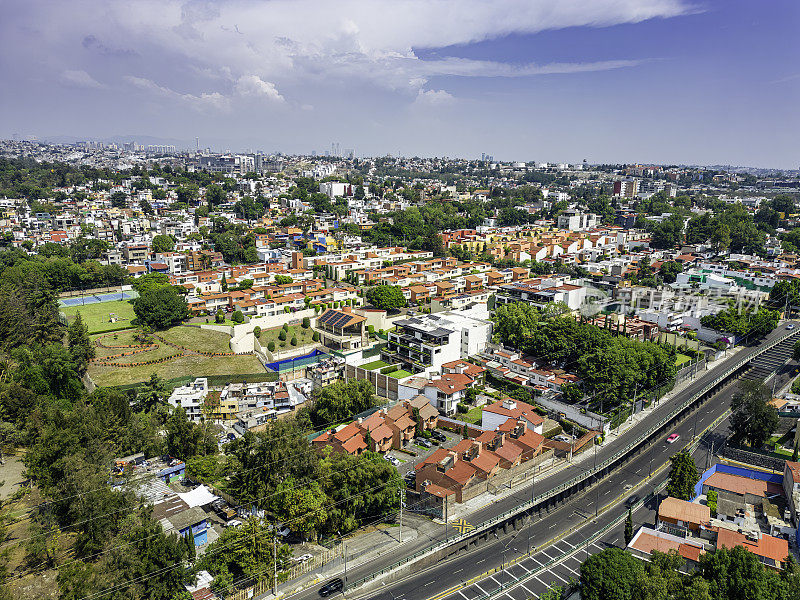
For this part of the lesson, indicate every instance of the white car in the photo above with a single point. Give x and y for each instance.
(234, 523)
(303, 558)
(790, 326)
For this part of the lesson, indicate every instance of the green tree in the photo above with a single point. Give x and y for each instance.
(187, 193)
(161, 308)
(342, 400)
(629, 527)
(752, 418)
(301, 507)
(163, 243)
(283, 280)
(612, 574)
(669, 271)
(271, 346)
(215, 195)
(186, 439)
(293, 341)
(386, 297)
(237, 316)
(683, 476)
(80, 346)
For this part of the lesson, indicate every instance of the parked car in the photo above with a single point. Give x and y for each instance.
(423, 442)
(392, 460)
(790, 326)
(303, 558)
(234, 523)
(673, 438)
(333, 586)
(438, 436)
(283, 531)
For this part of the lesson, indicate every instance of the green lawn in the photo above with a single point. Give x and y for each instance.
(473, 416)
(375, 364)
(191, 364)
(681, 358)
(304, 337)
(96, 315)
(399, 374)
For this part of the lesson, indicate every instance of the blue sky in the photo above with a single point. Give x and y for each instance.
(665, 81)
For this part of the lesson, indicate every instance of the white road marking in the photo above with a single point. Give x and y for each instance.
(557, 575)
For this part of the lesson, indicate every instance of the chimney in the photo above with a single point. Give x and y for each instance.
(347, 309)
(509, 404)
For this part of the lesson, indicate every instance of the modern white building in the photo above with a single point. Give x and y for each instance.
(424, 343)
(190, 397)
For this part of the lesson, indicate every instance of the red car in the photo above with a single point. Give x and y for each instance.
(673, 438)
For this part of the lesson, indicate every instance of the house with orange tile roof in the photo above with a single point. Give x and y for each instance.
(500, 411)
(681, 515)
(771, 551)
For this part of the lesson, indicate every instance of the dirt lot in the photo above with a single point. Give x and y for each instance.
(11, 475)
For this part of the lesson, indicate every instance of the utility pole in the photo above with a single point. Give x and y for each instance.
(400, 535)
(274, 564)
(533, 510)
(344, 545)
(597, 496)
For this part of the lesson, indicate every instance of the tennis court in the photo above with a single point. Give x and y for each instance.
(94, 298)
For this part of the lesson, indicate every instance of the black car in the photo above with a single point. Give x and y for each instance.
(438, 436)
(631, 501)
(333, 586)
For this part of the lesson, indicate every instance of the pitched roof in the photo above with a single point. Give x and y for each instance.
(742, 485)
(681, 510)
(520, 409)
(767, 546)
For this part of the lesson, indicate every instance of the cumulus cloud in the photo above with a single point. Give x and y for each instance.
(252, 48)
(79, 79)
(433, 98)
(202, 102)
(254, 86)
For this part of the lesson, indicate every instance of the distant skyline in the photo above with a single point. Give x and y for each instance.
(657, 81)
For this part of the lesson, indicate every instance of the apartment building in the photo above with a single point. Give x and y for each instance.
(424, 343)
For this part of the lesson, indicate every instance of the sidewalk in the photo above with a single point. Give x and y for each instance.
(364, 547)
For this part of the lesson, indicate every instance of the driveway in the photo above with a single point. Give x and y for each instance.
(407, 462)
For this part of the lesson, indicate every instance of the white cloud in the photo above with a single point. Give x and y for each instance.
(433, 98)
(254, 48)
(253, 85)
(203, 102)
(79, 79)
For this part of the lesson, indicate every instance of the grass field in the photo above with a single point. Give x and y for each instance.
(681, 358)
(96, 315)
(399, 374)
(304, 337)
(473, 416)
(375, 364)
(190, 337)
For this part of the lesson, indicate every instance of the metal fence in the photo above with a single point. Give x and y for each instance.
(583, 476)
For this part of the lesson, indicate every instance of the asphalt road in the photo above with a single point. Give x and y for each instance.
(488, 555)
(434, 583)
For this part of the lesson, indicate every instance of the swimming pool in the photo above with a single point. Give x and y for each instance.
(95, 298)
(287, 364)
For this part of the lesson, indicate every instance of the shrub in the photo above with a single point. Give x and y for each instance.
(294, 341)
(257, 331)
(282, 335)
(462, 408)
(315, 337)
(306, 322)
(286, 309)
(219, 317)
(285, 327)
(371, 329)
(237, 316)
(316, 308)
(711, 501)
(271, 346)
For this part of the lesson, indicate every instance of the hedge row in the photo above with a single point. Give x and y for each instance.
(139, 351)
(204, 353)
(155, 361)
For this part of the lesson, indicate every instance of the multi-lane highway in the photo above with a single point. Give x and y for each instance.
(547, 524)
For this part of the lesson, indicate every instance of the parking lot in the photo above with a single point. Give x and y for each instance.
(408, 462)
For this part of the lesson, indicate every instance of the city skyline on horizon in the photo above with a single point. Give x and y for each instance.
(621, 81)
